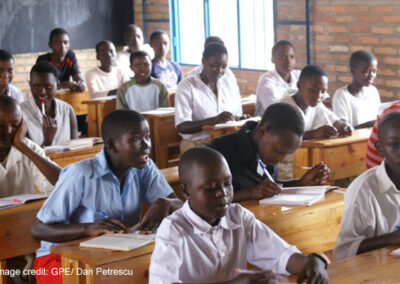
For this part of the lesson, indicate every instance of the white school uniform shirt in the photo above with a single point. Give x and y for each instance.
(357, 109)
(188, 249)
(314, 117)
(227, 76)
(194, 101)
(33, 118)
(14, 92)
(371, 209)
(100, 83)
(271, 88)
(123, 59)
(18, 174)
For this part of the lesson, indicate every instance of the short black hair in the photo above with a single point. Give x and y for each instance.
(117, 122)
(8, 102)
(130, 27)
(44, 67)
(311, 70)
(361, 56)
(281, 116)
(214, 48)
(55, 32)
(213, 39)
(5, 55)
(156, 34)
(390, 119)
(196, 155)
(99, 44)
(138, 53)
(280, 44)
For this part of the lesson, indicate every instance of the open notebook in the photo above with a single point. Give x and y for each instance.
(20, 199)
(125, 242)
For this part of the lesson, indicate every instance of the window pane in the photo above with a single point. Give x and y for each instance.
(191, 26)
(257, 33)
(223, 23)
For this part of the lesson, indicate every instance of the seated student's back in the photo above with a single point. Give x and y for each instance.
(142, 92)
(7, 75)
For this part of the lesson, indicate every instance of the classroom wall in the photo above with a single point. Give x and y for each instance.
(338, 27)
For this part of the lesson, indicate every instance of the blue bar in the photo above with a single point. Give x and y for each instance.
(144, 19)
(308, 31)
(206, 18)
(239, 33)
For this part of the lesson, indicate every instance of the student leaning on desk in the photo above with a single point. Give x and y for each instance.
(114, 183)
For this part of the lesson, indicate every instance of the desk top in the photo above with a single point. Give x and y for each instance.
(358, 135)
(76, 152)
(100, 100)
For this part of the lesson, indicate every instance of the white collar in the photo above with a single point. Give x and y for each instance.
(384, 181)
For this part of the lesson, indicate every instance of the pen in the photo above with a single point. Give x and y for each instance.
(398, 227)
(262, 166)
(102, 214)
(246, 271)
(309, 168)
(42, 104)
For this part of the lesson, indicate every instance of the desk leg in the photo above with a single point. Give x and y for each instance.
(70, 266)
(3, 266)
(300, 159)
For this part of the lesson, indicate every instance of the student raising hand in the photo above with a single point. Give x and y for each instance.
(49, 129)
(315, 176)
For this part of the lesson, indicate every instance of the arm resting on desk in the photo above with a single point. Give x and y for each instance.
(189, 127)
(308, 267)
(373, 243)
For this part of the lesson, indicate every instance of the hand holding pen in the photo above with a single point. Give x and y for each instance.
(105, 225)
(267, 187)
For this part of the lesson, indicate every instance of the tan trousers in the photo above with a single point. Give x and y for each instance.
(187, 144)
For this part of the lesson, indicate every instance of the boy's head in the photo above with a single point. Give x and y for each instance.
(213, 39)
(105, 53)
(207, 182)
(279, 133)
(6, 68)
(388, 144)
(10, 118)
(140, 65)
(312, 84)
(59, 42)
(284, 57)
(215, 61)
(159, 41)
(133, 37)
(363, 67)
(126, 136)
(43, 81)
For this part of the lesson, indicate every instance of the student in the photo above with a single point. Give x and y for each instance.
(62, 57)
(168, 72)
(23, 164)
(279, 134)
(374, 158)
(114, 183)
(50, 121)
(371, 209)
(107, 78)
(228, 75)
(273, 85)
(7, 75)
(133, 37)
(358, 102)
(320, 122)
(209, 237)
(142, 92)
(204, 99)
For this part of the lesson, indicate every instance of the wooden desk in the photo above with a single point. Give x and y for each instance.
(217, 131)
(96, 110)
(311, 229)
(376, 266)
(65, 158)
(15, 236)
(344, 156)
(75, 99)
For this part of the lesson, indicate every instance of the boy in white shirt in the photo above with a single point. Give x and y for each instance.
(359, 101)
(7, 75)
(105, 79)
(371, 214)
(320, 122)
(273, 85)
(209, 238)
(23, 164)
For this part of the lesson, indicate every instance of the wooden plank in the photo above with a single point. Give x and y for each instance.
(75, 99)
(97, 110)
(69, 157)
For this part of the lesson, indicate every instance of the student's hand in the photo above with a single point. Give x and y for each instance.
(223, 117)
(19, 136)
(105, 226)
(154, 215)
(315, 176)
(344, 127)
(265, 188)
(267, 277)
(314, 271)
(325, 131)
(49, 129)
(80, 86)
(244, 116)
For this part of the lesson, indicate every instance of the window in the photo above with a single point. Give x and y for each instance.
(246, 27)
